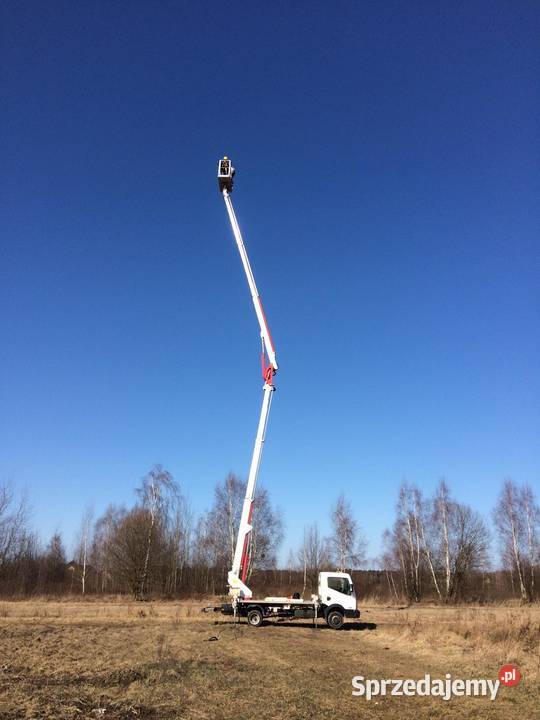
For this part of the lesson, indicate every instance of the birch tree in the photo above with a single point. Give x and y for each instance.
(314, 555)
(181, 519)
(83, 546)
(441, 517)
(101, 547)
(347, 543)
(437, 541)
(531, 516)
(224, 518)
(407, 539)
(426, 527)
(510, 528)
(157, 487)
(516, 520)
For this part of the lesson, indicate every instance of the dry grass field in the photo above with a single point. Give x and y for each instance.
(119, 659)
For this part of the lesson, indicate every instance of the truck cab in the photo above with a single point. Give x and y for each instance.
(337, 597)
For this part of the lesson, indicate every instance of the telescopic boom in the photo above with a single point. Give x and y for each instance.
(336, 598)
(238, 574)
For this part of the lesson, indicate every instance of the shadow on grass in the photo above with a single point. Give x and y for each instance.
(321, 625)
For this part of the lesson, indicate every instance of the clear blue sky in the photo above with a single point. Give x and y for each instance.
(387, 187)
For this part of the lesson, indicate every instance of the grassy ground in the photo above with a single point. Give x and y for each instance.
(121, 659)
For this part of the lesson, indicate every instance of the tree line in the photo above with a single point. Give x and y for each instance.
(437, 547)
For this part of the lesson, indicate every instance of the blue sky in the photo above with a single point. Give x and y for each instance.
(387, 188)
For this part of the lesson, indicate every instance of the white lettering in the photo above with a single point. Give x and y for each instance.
(409, 687)
(445, 689)
(372, 688)
(358, 684)
(423, 686)
(493, 688)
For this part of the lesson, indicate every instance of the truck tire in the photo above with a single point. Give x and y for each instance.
(255, 617)
(334, 619)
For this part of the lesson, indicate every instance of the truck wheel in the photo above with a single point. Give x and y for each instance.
(334, 619)
(255, 617)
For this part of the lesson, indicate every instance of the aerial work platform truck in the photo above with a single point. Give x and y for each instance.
(336, 599)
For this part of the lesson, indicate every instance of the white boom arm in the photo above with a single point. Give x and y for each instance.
(265, 332)
(237, 575)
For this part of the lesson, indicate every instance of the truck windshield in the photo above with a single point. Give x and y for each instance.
(340, 584)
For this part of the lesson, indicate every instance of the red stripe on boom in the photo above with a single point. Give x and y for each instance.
(245, 559)
(266, 325)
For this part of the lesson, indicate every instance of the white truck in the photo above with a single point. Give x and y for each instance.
(336, 599)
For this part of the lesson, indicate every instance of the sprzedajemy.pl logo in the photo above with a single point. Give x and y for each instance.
(446, 688)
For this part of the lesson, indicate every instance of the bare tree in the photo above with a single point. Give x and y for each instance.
(223, 520)
(100, 552)
(128, 550)
(155, 489)
(55, 564)
(407, 541)
(347, 543)
(437, 540)
(469, 541)
(531, 515)
(314, 555)
(516, 519)
(304, 563)
(13, 522)
(204, 554)
(389, 563)
(179, 538)
(441, 517)
(510, 528)
(427, 530)
(290, 565)
(267, 534)
(83, 546)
